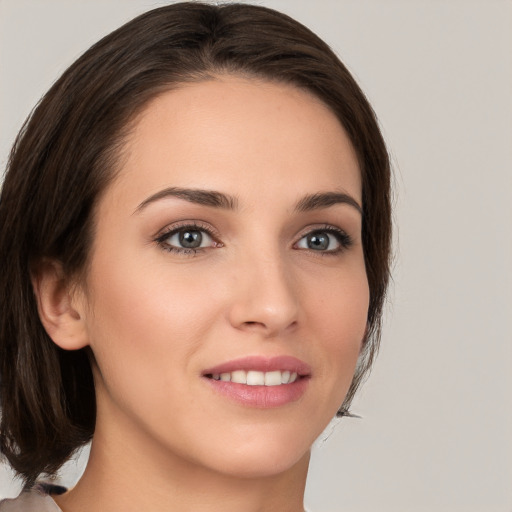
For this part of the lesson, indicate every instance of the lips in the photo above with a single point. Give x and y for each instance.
(260, 382)
(262, 364)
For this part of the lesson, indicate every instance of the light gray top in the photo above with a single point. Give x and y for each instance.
(30, 501)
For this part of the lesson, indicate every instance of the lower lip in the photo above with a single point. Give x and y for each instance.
(263, 397)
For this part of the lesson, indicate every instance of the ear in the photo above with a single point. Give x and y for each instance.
(60, 311)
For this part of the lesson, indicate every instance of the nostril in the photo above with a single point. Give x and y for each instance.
(251, 323)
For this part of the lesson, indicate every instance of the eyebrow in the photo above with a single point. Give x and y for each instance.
(194, 195)
(215, 199)
(324, 200)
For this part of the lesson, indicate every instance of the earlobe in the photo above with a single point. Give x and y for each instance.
(61, 316)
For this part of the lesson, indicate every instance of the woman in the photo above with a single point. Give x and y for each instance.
(195, 233)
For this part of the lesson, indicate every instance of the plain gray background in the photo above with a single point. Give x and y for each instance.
(436, 433)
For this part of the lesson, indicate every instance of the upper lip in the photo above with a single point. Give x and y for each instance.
(262, 364)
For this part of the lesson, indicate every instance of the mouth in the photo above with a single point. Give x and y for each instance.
(256, 378)
(260, 382)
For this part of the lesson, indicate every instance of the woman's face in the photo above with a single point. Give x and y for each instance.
(228, 247)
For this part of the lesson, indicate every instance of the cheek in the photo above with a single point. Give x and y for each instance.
(147, 328)
(341, 320)
(145, 311)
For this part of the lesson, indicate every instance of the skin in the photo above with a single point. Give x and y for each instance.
(156, 319)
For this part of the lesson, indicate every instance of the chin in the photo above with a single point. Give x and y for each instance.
(264, 454)
(265, 465)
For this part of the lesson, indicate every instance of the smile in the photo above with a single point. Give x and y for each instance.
(260, 382)
(257, 378)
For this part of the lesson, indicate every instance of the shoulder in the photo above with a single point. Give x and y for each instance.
(34, 500)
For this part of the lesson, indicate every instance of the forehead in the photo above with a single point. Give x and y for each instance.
(240, 136)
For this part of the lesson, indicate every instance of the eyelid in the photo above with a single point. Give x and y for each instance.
(198, 225)
(176, 227)
(344, 239)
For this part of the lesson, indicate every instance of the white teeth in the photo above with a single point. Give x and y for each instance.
(255, 378)
(273, 378)
(239, 376)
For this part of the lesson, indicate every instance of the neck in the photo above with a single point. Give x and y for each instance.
(127, 472)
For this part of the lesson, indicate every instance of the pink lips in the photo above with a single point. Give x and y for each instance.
(262, 364)
(261, 396)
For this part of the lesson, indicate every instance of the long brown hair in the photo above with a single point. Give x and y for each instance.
(66, 154)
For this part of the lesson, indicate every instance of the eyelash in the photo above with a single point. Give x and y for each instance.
(187, 226)
(345, 241)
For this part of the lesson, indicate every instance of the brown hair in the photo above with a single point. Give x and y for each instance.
(66, 154)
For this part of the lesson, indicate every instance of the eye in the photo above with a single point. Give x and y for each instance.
(189, 239)
(329, 240)
(186, 239)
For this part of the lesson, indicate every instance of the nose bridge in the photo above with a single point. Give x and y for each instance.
(266, 297)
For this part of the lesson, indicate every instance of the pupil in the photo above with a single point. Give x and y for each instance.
(191, 239)
(317, 242)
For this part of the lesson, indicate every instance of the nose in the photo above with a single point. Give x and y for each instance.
(265, 297)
